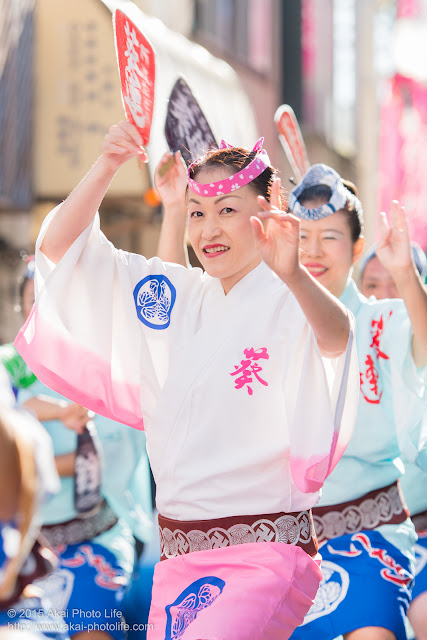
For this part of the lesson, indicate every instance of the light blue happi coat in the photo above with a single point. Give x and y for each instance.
(392, 404)
(125, 476)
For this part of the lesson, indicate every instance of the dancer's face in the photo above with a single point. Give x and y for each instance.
(377, 281)
(327, 249)
(220, 231)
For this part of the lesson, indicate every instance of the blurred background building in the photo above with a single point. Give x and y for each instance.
(353, 71)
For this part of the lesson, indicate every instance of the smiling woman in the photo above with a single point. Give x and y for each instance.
(220, 209)
(375, 280)
(219, 229)
(359, 534)
(201, 360)
(360, 517)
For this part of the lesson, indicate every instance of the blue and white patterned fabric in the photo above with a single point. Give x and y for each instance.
(366, 582)
(321, 174)
(93, 576)
(367, 576)
(88, 586)
(34, 615)
(9, 544)
(420, 584)
(413, 485)
(197, 596)
(154, 300)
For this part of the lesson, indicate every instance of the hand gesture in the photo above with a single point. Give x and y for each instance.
(122, 142)
(394, 248)
(277, 235)
(74, 417)
(170, 179)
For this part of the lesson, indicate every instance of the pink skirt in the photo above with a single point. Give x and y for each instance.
(255, 591)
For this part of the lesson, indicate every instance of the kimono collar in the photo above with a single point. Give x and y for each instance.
(351, 296)
(256, 278)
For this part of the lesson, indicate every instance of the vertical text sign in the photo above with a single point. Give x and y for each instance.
(136, 60)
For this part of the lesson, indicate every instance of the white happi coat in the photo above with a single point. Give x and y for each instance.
(242, 414)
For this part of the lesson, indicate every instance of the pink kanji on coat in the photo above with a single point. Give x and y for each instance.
(249, 369)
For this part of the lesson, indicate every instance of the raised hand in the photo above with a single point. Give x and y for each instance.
(74, 417)
(122, 142)
(394, 248)
(170, 179)
(395, 253)
(277, 235)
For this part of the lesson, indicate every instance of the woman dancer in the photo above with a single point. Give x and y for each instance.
(95, 545)
(367, 539)
(361, 521)
(28, 477)
(244, 378)
(376, 280)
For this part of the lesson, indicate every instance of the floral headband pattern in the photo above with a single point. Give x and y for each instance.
(259, 164)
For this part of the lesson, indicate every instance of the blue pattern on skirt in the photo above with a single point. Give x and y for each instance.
(366, 582)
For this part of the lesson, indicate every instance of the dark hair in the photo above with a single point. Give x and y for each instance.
(236, 158)
(352, 208)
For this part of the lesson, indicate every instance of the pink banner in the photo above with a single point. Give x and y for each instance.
(408, 9)
(403, 152)
(137, 68)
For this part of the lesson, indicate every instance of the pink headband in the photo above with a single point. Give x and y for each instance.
(239, 179)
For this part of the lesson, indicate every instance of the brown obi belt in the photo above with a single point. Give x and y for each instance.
(80, 529)
(420, 522)
(378, 507)
(178, 537)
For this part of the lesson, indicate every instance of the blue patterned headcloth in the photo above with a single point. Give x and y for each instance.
(320, 174)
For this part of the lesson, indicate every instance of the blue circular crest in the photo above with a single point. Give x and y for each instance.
(154, 300)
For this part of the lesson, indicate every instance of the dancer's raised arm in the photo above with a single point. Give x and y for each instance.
(277, 237)
(395, 253)
(121, 143)
(171, 182)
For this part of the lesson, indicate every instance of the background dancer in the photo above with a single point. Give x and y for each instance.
(366, 535)
(376, 280)
(204, 361)
(96, 550)
(28, 477)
